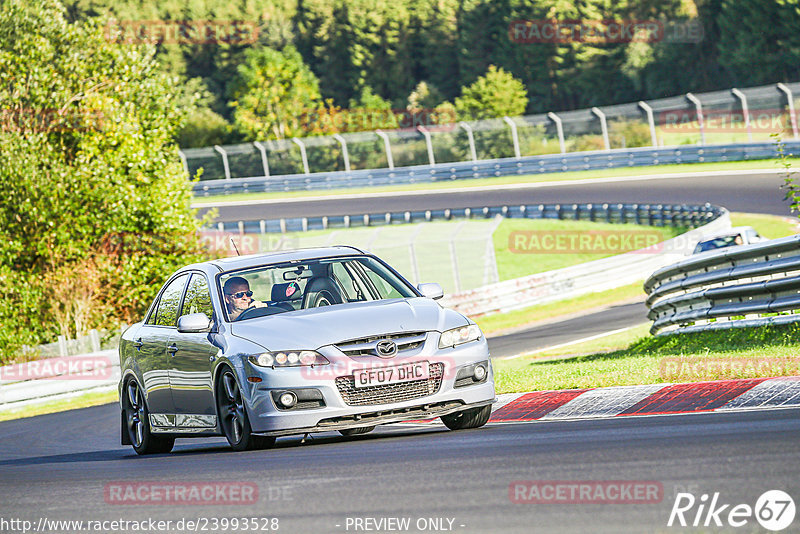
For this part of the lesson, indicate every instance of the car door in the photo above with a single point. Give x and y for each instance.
(151, 343)
(190, 361)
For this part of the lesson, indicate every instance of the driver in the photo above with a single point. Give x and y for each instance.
(238, 297)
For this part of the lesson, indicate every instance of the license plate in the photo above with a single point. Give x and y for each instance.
(380, 376)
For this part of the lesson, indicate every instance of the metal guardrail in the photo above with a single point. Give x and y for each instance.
(443, 172)
(589, 277)
(747, 285)
(690, 215)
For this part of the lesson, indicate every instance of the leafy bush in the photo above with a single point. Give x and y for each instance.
(88, 156)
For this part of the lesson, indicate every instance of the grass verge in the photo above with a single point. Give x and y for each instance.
(72, 403)
(624, 361)
(769, 226)
(200, 201)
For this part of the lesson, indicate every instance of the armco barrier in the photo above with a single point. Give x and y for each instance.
(648, 214)
(578, 161)
(598, 275)
(747, 285)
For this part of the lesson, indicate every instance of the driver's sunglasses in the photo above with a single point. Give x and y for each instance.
(241, 294)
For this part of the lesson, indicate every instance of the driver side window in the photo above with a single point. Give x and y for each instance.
(198, 298)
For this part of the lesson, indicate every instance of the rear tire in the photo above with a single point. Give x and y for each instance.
(233, 416)
(356, 431)
(472, 418)
(138, 423)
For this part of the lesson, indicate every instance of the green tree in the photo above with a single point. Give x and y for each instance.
(496, 94)
(274, 94)
(96, 206)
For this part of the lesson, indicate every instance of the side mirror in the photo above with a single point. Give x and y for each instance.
(432, 290)
(194, 323)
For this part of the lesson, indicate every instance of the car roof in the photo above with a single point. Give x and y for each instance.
(234, 263)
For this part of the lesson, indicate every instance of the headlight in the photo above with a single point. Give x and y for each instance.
(457, 336)
(286, 358)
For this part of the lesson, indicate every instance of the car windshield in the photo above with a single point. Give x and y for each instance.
(718, 242)
(285, 287)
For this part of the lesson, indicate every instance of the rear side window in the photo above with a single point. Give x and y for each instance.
(198, 298)
(166, 313)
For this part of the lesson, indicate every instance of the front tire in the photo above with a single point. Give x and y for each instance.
(137, 422)
(233, 416)
(472, 418)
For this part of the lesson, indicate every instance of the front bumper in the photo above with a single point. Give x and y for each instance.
(266, 418)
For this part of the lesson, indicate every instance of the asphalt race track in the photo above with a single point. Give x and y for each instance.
(550, 334)
(59, 467)
(755, 193)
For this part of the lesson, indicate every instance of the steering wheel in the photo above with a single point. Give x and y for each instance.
(249, 313)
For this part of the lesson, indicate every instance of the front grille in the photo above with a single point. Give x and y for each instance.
(390, 393)
(366, 346)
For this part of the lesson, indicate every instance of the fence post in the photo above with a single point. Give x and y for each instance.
(453, 258)
(560, 129)
(302, 146)
(651, 121)
(224, 161)
(699, 106)
(603, 126)
(94, 339)
(62, 346)
(183, 161)
(424, 131)
(789, 98)
(514, 136)
(264, 163)
(387, 146)
(471, 138)
(345, 155)
(745, 111)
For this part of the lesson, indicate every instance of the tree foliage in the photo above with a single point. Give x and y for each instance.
(96, 205)
(391, 47)
(494, 95)
(273, 92)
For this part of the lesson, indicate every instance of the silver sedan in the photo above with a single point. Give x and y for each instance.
(313, 340)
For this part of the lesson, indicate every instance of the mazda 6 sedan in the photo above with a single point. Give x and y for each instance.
(313, 340)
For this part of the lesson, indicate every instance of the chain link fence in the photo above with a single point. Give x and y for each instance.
(729, 116)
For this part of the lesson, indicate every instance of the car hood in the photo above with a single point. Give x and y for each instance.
(315, 328)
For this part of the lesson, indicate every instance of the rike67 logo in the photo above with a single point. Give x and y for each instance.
(774, 510)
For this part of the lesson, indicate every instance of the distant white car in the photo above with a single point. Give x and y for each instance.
(740, 235)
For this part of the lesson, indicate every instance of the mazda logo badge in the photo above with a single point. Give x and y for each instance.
(386, 348)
